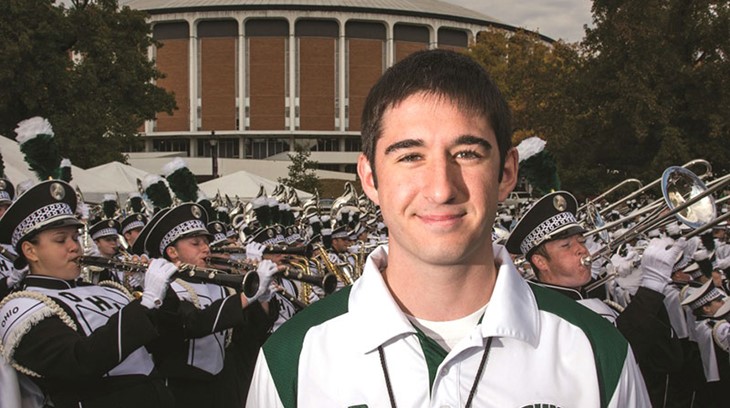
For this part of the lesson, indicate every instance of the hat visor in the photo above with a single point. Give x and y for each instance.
(66, 221)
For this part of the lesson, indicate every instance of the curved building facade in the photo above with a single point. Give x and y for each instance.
(260, 76)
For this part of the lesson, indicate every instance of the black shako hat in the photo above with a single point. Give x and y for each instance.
(7, 191)
(138, 246)
(133, 221)
(104, 228)
(185, 220)
(219, 232)
(551, 217)
(49, 204)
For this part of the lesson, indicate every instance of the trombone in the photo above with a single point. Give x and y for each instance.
(687, 198)
(686, 166)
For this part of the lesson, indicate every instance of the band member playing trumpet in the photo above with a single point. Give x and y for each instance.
(551, 239)
(83, 345)
(199, 367)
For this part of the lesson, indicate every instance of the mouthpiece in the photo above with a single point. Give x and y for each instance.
(586, 260)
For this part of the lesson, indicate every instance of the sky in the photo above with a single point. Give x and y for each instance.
(557, 19)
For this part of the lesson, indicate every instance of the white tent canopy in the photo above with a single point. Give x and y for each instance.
(92, 184)
(243, 184)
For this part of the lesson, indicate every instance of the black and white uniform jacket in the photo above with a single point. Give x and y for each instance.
(82, 344)
(198, 331)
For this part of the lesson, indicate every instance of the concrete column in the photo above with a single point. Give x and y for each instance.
(242, 72)
(342, 77)
(389, 44)
(293, 103)
(193, 75)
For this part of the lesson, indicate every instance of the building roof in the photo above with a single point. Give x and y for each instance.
(421, 8)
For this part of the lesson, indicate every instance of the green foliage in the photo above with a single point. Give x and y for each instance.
(97, 100)
(182, 183)
(302, 174)
(649, 87)
(541, 172)
(41, 154)
(658, 74)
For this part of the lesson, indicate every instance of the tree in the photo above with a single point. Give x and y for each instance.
(302, 174)
(539, 81)
(84, 68)
(659, 76)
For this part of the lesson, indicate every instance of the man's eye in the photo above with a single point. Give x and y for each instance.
(409, 157)
(468, 154)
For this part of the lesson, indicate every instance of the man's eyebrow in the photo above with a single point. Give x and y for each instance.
(472, 140)
(403, 144)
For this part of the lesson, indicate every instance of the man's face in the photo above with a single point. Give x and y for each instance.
(132, 235)
(108, 246)
(564, 267)
(438, 187)
(340, 244)
(190, 250)
(719, 234)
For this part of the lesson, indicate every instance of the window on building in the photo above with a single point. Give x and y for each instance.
(353, 144)
(263, 148)
(327, 145)
(171, 145)
(227, 148)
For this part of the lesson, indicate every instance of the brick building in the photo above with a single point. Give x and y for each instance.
(266, 74)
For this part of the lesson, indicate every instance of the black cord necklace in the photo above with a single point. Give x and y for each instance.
(473, 391)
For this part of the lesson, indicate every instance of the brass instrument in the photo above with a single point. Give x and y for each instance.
(687, 198)
(328, 282)
(305, 250)
(247, 283)
(342, 272)
(701, 162)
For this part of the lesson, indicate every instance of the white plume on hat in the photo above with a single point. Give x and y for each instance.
(30, 128)
(530, 147)
(701, 255)
(176, 164)
(149, 180)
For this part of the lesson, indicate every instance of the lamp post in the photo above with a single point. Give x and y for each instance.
(214, 153)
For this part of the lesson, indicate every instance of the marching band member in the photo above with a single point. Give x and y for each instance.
(199, 368)
(551, 239)
(83, 345)
(710, 330)
(131, 226)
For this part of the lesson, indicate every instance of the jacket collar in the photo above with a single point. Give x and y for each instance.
(512, 310)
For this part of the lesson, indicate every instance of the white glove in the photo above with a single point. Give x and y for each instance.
(255, 251)
(15, 276)
(156, 280)
(136, 279)
(266, 270)
(723, 263)
(354, 249)
(658, 260)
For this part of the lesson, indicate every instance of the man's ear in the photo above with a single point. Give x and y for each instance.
(29, 251)
(509, 174)
(367, 178)
(539, 261)
(171, 253)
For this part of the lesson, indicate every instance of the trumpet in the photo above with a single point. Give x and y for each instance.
(247, 283)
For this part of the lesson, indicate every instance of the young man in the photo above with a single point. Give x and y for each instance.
(440, 317)
(551, 239)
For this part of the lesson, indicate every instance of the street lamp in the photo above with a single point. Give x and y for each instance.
(214, 152)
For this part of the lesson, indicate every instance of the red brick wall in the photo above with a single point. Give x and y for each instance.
(317, 83)
(267, 70)
(365, 67)
(172, 60)
(406, 48)
(218, 83)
